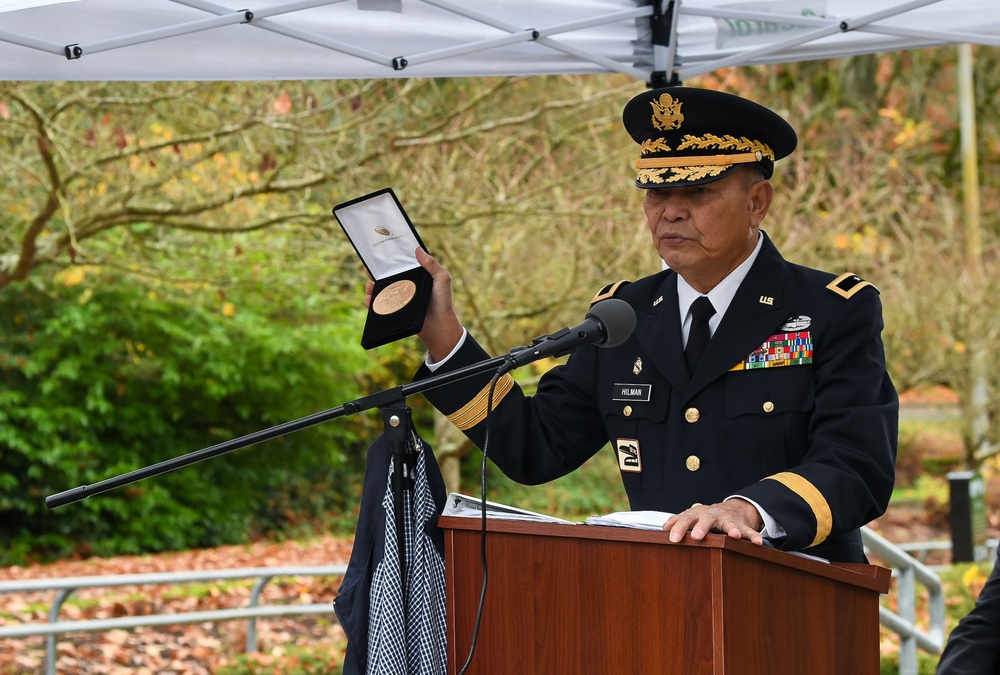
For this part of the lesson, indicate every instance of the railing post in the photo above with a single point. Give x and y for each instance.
(252, 621)
(906, 604)
(50, 640)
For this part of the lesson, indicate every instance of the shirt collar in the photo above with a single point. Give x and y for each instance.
(723, 293)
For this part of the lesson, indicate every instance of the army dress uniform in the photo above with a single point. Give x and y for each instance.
(790, 405)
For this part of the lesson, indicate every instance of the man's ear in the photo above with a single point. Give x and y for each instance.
(761, 194)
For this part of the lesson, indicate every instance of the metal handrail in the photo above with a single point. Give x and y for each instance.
(908, 571)
(67, 585)
(905, 559)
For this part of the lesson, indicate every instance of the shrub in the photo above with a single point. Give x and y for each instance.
(104, 378)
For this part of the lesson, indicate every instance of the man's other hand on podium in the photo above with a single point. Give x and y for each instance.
(737, 518)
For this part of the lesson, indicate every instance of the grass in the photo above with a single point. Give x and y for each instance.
(293, 661)
(205, 590)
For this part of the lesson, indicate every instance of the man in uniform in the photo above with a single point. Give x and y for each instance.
(752, 398)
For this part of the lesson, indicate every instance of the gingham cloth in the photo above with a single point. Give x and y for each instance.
(419, 646)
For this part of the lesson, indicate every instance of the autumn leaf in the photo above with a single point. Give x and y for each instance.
(194, 649)
(283, 104)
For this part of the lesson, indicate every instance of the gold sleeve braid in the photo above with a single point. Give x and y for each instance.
(474, 412)
(813, 497)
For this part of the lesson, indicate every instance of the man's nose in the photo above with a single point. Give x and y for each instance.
(674, 209)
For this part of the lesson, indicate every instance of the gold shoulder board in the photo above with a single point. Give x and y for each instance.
(848, 284)
(609, 291)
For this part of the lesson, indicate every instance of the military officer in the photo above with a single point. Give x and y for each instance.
(752, 398)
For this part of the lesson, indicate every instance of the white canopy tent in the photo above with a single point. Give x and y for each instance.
(657, 41)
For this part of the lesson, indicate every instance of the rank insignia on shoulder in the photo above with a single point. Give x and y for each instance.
(848, 284)
(609, 291)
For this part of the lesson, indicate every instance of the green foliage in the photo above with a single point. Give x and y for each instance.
(962, 583)
(594, 488)
(521, 186)
(926, 664)
(102, 377)
(293, 661)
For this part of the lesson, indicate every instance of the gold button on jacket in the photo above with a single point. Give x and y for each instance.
(692, 463)
(692, 415)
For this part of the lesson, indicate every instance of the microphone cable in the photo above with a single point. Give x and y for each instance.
(482, 533)
(617, 319)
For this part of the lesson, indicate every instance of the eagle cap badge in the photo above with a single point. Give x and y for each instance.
(667, 113)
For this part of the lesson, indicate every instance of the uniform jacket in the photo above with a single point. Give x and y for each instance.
(974, 645)
(812, 442)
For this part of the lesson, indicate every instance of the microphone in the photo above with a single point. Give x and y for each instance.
(608, 324)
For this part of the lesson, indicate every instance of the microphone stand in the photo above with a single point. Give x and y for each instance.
(383, 399)
(395, 417)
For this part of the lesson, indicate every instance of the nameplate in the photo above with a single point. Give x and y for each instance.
(631, 392)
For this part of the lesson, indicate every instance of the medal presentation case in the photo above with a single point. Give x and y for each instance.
(385, 240)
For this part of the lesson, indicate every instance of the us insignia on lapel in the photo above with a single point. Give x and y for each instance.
(780, 349)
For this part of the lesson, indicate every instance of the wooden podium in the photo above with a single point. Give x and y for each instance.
(581, 599)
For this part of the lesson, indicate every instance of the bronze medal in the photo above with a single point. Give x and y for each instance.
(394, 297)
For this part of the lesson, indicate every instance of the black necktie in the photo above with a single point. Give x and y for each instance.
(701, 312)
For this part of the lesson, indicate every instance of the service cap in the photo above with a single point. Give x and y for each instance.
(689, 135)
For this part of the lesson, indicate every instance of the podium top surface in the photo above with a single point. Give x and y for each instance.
(870, 577)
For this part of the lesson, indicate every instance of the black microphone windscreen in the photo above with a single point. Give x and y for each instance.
(618, 319)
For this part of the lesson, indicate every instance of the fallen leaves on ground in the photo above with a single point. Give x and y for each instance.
(203, 648)
(181, 648)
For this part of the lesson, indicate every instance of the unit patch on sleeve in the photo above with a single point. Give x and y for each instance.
(781, 349)
(629, 459)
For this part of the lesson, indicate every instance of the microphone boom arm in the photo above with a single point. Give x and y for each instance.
(376, 400)
(608, 323)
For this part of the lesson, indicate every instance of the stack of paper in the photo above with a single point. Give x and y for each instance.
(469, 507)
(641, 520)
